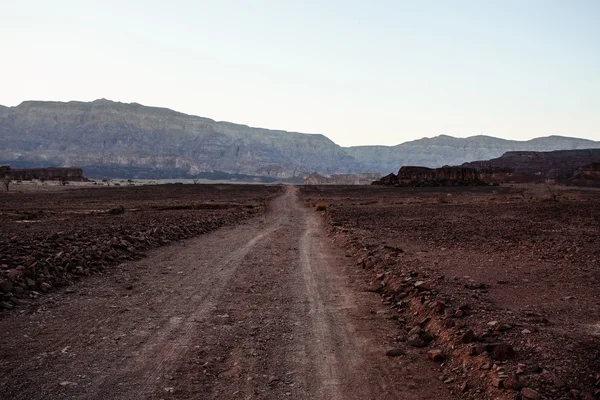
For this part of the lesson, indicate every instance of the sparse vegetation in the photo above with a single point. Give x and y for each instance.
(321, 207)
(6, 182)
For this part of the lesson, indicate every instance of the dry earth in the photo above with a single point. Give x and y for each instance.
(503, 281)
(269, 308)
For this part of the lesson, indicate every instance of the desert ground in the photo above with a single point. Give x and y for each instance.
(315, 292)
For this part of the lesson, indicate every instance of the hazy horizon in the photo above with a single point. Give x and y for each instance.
(378, 74)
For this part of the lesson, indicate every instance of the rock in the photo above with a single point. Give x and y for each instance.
(416, 330)
(45, 287)
(497, 382)
(397, 352)
(525, 331)
(464, 387)
(449, 323)
(5, 305)
(530, 394)
(435, 355)
(503, 351)
(468, 336)
(422, 286)
(458, 313)
(416, 341)
(6, 286)
(512, 384)
(503, 327)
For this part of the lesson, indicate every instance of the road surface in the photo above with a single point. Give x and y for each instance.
(269, 309)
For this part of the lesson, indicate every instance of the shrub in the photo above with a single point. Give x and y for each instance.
(321, 207)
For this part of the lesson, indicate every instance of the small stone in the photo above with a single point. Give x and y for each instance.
(416, 341)
(395, 352)
(422, 286)
(448, 323)
(449, 380)
(273, 379)
(512, 384)
(497, 382)
(45, 287)
(503, 351)
(5, 305)
(492, 323)
(468, 336)
(416, 330)
(6, 286)
(436, 355)
(459, 313)
(503, 327)
(464, 387)
(531, 394)
(525, 331)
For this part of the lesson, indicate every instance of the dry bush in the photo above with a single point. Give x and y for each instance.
(321, 207)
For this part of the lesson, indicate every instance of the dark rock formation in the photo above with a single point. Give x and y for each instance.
(428, 177)
(44, 174)
(588, 175)
(529, 166)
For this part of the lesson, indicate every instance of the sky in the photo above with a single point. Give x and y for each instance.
(376, 72)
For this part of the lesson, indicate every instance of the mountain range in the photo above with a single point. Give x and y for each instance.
(115, 139)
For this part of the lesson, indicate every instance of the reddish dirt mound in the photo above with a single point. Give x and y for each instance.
(501, 283)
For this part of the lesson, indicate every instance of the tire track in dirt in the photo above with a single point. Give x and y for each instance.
(268, 309)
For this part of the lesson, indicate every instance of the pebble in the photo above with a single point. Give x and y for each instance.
(530, 394)
(395, 352)
(435, 355)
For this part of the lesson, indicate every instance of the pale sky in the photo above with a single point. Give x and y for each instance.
(360, 72)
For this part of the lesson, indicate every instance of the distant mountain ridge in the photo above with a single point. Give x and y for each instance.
(115, 139)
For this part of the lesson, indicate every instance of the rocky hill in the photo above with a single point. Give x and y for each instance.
(105, 133)
(114, 139)
(560, 166)
(447, 150)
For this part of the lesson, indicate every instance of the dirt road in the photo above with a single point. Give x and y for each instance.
(268, 309)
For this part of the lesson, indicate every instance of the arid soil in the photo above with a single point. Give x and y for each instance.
(502, 283)
(269, 308)
(54, 235)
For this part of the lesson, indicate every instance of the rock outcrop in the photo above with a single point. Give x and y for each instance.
(429, 177)
(588, 175)
(553, 166)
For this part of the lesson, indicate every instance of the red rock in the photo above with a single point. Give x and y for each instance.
(459, 313)
(449, 323)
(530, 394)
(468, 336)
(395, 352)
(503, 351)
(464, 387)
(512, 384)
(436, 355)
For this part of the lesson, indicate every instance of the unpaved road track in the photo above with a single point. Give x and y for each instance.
(269, 309)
